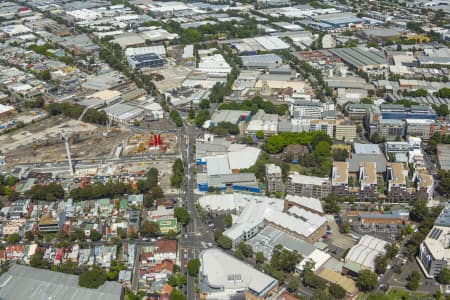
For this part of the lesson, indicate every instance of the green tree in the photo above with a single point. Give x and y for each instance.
(177, 280)
(413, 280)
(155, 193)
(193, 267)
(283, 259)
(376, 138)
(260, 134)
(182, 215)
(202, 117)
(444, 276)
(391, 250)
(442, 110)
(224, 243)
(204, 104)
(444, 93)
(380, 264)
(228, 220)
(245, 249)
(13, 238)
(149, 228)
(92, 278)
(38, 261)
(260, 258)
(176, 295)
(367, 280)
(292, 285)
(95, 235)
(191, 113)
(337, 291)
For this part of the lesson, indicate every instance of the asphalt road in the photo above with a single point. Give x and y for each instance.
(189, 242)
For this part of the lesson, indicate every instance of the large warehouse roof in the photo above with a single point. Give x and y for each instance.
(21, 282)
(365, 252)
(159, 50)
(225, 271)
(359, 57)
(272, 43)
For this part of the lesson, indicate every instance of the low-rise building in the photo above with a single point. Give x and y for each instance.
(223, 276)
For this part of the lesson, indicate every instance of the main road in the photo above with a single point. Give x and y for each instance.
(189, 242)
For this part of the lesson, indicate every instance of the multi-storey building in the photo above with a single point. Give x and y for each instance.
(308, 186)
(434, 251)
(339, 178)
(368, 180)
(302, 108)
(397, 189)
(274, 182)
(391, 129)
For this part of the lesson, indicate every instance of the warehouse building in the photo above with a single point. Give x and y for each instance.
(149, 60)
(365, 252)
(6, 111)
(223, 276)
(26, 283)
(262, 61)
(443, 154)
(231, 116)
(158, 50)
(266, 123)
(362, 59)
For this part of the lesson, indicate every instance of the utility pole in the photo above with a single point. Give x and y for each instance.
(65, 138)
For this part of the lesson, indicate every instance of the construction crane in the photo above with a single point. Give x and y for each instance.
(65, 138)
(108, 126)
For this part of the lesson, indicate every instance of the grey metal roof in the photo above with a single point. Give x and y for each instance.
(358, 57)
(27, 283)
(243, 178)
(444, 217)
(366, 148)
(357, 159)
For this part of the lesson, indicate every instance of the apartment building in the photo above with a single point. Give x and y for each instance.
(339, 178)
(274, 180)
(308, 186)
(397, 189)
(367, 177)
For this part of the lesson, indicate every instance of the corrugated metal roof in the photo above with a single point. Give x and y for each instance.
(26, 283)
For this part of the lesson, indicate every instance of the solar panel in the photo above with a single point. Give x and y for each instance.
(435, 233)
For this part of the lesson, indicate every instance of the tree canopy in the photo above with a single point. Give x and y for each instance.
(367, 280)
(182, 215)
(149, 229)
(193, 267)
(283, 259)
(92, 278)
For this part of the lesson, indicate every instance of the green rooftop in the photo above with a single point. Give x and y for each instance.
(354, 267)
(123, 204)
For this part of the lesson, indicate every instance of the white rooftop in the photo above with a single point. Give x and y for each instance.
(365, 252)
(308, 202)
(229, 273)
(318, 257)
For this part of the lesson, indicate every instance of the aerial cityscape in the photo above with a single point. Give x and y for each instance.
(224, 150)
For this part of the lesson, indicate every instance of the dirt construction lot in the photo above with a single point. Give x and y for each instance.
(42, 141)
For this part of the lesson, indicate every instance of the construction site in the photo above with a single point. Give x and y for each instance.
(69, 148)
(151, 143)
